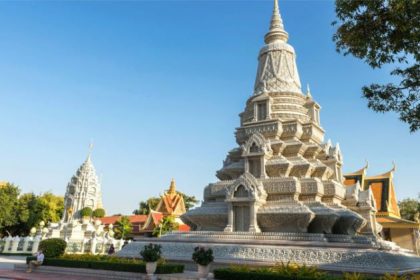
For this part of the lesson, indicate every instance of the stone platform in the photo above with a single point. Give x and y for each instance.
(328, 252)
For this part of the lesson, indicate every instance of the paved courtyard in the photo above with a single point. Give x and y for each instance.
(6, 271)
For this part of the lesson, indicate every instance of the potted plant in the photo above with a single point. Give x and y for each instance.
(86, 214)
(151, 254)
(203, 257)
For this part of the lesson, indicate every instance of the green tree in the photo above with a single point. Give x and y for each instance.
(50, 207)
(33, 209)
(166, 225)
(123, 227)
(190, 201)
(8, 206)
(145, 206)
(383, 32)
(409, 207)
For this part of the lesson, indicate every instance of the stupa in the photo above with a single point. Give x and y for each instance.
(281, 196)
(83, 190)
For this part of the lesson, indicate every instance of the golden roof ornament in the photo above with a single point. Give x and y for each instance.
(172, 187)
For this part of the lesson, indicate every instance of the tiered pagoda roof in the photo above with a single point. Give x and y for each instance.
(383, 189)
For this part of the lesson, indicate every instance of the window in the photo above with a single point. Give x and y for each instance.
(254, 148)
(261, 111)
(255, 167)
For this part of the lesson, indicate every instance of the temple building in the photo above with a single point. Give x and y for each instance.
(404, 233)
(280, 196)
(137, 222)
(83, 190)
(171, 204)
(283, 176)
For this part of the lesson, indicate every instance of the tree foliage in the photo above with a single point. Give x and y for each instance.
(53, 247)
(146, 206)
(166, 225)
(385, 32)
(123, 227)
(409, 207)
(18, 214)
(152, 203)
(9, 194)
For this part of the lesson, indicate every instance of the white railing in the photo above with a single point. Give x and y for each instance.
(29, 245)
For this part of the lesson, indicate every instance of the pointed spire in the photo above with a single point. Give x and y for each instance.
(91, 145)
(308, 92)
(277, 31)
(172, 187)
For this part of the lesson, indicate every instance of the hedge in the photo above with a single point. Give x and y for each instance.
(53, 247)
(229, 274)
(262, 274)
(124, 265)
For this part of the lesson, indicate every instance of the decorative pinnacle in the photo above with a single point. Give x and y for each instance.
(276, 31)
(308, 91)
(172, 187)
(90, 149)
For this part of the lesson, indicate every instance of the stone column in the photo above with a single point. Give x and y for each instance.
(119, 244)
(229, 227)
(7, 244)
(93, 246)
(262, 168)
(253, 225)
(15, 244)
(104, 243)
(35, 246)
(26, 244)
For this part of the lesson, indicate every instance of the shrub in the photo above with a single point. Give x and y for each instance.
(202, 256)
(278, 272)
(357, 276)
(53, 247)
(99, 213)
(111, 263)
(151, 252)
(86, 212)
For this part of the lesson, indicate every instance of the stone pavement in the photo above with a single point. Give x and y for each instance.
(7, 264)
(14, 267)
(17, 275)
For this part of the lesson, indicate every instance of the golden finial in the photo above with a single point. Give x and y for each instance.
(394, 167)
(172, 187)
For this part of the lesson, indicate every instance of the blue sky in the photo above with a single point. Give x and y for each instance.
(158, 86)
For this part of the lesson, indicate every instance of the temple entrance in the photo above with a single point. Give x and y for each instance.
(241, 218)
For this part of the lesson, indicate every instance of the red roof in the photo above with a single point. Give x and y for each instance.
(134, 219)
(184, 227)
(156, 216)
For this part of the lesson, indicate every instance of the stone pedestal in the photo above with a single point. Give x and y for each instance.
(329, 252)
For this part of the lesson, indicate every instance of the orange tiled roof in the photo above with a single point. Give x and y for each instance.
(382, 187)
(156, 216)
(184, 227)
(134, 219)
(393, 222)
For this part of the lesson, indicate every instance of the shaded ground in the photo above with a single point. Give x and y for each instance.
(6, 271)
(10, 274)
